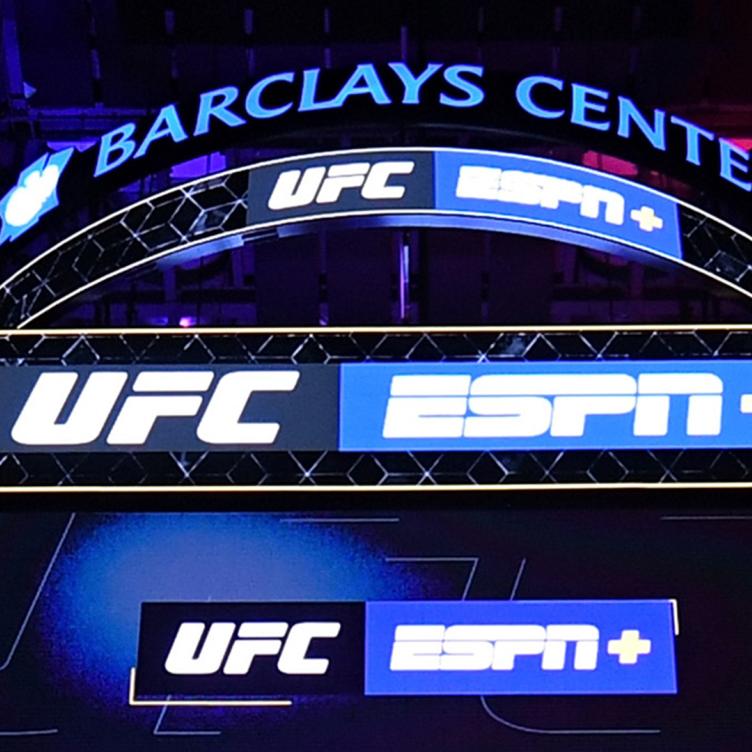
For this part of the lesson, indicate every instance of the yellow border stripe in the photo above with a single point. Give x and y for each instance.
(553, 329)
(397, 488)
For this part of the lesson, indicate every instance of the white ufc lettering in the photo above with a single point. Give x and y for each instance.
(154, 395)
(321, 185)
(188, 656)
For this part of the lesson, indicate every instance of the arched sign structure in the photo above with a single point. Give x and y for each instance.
(462, 97)
(420, 186)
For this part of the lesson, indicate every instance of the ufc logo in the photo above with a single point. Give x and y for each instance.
(222, 648)
(324, 185)
(154, 395)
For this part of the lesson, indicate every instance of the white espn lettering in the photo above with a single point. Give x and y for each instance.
(495, 647)
(322, 185)
(522, 406)
(533, 189)
(157, 394)
(188, 656)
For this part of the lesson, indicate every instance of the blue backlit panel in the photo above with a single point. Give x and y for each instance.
(543, 191)
(439, 624)
(452, 406)
(507, 648)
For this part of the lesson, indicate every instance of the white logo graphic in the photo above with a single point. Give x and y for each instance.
(646, 219)
(629, 647)
(522, 406)
(324, 185)
(27, 200)
(156, 394)
(495, 647)
(34, 195)
(252, 639)
(549, 192)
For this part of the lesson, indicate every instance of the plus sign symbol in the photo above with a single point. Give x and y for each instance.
(629, 647)
(646, 219)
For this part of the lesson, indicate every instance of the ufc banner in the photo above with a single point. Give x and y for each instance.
(364, 407)
(168, 408)
(216, 650)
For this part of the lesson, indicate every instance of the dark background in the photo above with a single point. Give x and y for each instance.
(70, 671)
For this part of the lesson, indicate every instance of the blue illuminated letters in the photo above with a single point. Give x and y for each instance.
(458, 86)
(115, 148)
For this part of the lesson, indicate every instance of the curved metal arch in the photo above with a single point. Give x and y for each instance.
(215, 208)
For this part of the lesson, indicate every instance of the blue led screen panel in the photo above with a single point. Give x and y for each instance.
(171, 408)
(378, 407)
(519, 192)
(470, 648)
(631, 404)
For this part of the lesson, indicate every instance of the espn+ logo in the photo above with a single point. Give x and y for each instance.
(526, 188)
(529, 405)
(496, 647)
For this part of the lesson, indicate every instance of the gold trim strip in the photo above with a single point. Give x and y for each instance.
(397, 488)
(553, 329)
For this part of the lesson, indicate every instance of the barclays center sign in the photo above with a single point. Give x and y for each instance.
(460, 96)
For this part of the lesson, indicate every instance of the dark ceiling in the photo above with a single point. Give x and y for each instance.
(137, 53)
